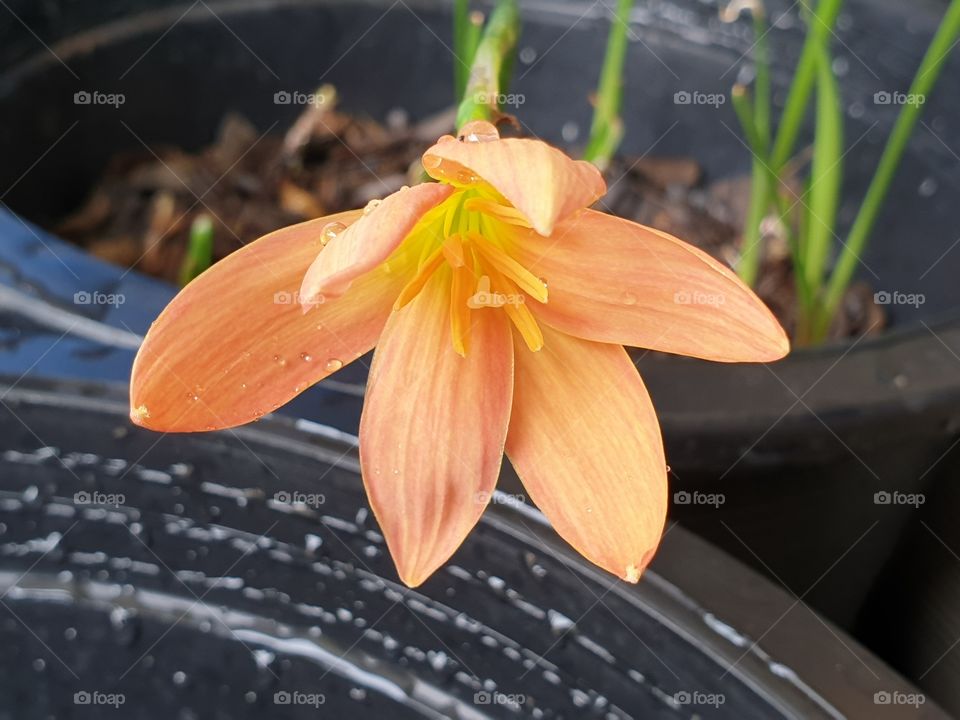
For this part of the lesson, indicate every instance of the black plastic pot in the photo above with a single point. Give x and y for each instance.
(241, 575)
(799, 449)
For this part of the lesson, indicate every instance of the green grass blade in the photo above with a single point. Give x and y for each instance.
(926, 77)
(199, 250)
(606, 130)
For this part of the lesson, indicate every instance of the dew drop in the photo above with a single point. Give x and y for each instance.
(330, 231)
(282, 362)
(628, 298)
(333, 364)
(432, 161)
(479, 131)
(306, 357)
(371, 206)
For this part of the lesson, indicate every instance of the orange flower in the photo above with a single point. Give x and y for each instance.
(499, 305)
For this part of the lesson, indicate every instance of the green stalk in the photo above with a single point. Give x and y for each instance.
(826, 174)
(821, 25)
(606, 130)
(486, 81)
(199, 250)
(467, 27)
(923, 83)
(760, 182)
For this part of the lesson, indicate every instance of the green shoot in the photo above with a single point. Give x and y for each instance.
(490, 66)
(606, 131)
(466, 36)
(199, 249)
(931, 65)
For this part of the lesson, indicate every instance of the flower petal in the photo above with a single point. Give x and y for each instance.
(614, 281)
(539, 180)
(234, 344)
(433, 428)
(369, 241)
(585, 441)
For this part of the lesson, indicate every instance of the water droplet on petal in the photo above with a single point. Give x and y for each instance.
(371, 206)
(330, 231)
(333, 364)
(280, 361)
(432, 161)
(628, 298)
(306, 357)
(479, 131)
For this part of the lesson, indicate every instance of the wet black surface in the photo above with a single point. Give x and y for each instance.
(199, 576)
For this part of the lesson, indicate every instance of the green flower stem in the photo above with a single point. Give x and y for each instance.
(490, 66)
(820, 27)
(467, 27)
(926, 78)
(606, 130)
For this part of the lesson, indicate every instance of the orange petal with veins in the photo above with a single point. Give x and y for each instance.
(433, 428)
(585, 441)
(614, 281)
(539, 180)
(369, 241)
(234, 344)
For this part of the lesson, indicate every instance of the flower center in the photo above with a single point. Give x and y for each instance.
(469, 237)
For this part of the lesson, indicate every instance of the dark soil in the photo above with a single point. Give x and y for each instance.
(141, 211)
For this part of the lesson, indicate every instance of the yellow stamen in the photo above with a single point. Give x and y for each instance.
(526, 280)
(505, 213)
(414, 287)
(453, 251)
(461, 288)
